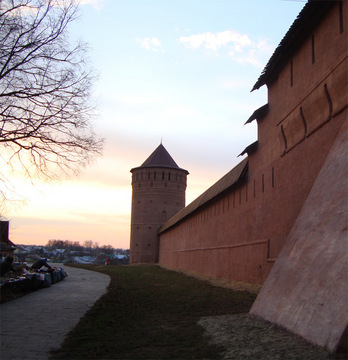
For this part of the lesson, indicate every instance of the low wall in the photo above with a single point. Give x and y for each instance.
(240, 262)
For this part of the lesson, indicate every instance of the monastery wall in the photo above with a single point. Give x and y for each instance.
(309, 278)
(219, 240)
(240, 232)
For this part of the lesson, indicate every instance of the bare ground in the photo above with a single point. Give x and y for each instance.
(225, 283)
(245, 337)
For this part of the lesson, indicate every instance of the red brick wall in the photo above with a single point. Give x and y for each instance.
(309, 278)
(238, 235)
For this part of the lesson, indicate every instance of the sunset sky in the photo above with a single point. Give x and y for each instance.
(180, 71)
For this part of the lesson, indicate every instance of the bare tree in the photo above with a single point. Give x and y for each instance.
(45, 85)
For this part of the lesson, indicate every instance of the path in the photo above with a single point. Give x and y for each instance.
(36, 323)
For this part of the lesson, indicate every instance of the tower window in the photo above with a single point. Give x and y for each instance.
(340, 9)
(263, 183)
(313, 50)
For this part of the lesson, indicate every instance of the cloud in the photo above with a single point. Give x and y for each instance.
(153, 43)
(213, 41)
(239, 46)
(95, 3)
(249, 57)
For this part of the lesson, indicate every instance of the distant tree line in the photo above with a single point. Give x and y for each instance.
(87, 245)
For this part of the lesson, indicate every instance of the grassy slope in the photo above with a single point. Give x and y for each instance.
(150, 313)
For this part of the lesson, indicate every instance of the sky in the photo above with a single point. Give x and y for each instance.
(180, 72)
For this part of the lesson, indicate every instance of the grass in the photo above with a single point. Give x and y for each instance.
(150, 313)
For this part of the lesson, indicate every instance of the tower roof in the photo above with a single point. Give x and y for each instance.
(160, 158)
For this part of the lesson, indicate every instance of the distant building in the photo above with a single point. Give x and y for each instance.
(7, 247)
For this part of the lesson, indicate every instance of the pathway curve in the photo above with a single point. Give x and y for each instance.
(33, 325)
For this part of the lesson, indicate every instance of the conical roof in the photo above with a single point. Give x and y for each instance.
(160, 158)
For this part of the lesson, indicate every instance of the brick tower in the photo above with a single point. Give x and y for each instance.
(158, 193)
